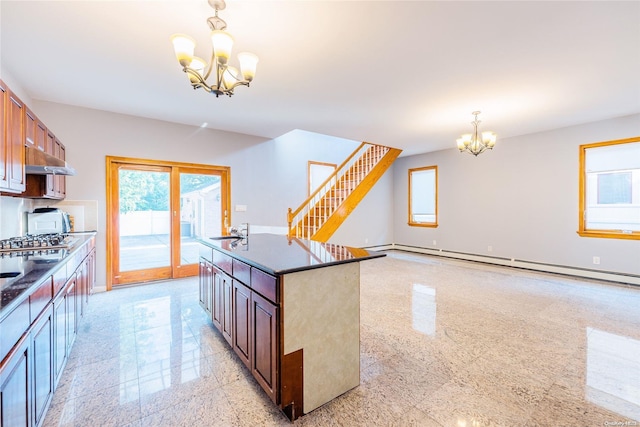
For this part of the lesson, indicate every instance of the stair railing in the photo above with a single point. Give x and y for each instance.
(301, 222)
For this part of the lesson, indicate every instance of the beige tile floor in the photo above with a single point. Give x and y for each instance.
(443, 343)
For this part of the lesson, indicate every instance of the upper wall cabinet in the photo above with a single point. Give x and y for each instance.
(4, 147)
(12, 179)
(20, 128)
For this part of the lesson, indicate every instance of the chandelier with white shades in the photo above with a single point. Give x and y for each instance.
(225, 78)
(475, 143)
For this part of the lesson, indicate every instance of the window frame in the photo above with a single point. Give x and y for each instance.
(410, 221)
(582, 204)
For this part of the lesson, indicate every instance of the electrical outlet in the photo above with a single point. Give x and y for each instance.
(434, 243)
(489, 248)
(241, 208)
(596, 260)
(366, 240)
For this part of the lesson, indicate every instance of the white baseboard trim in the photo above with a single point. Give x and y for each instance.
(97, 289)
(610, 276)
(379, 247)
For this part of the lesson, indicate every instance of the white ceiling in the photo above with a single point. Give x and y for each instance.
(404, 74)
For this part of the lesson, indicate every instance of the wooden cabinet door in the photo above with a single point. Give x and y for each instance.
(205, 279)
(29, 127)
(49, 148)
(15, 388)
(217, 303)
(71, 307)
(92, 271)
(42, 364)
(201, 283)
(264, 320)
(242, 322)
(5, 156)
(227, 309)
(15, 141)
(59, 335)
(60, 181)
(41, 135)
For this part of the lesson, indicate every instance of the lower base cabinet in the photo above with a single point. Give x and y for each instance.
(263, 360)
(42, 348)
(242, 322)
(15, 387)
(226, 301)
(59, 336)
(71, 302)
(31, 370)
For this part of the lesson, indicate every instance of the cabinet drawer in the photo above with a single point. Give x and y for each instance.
(223, 261)
(241, 272)
(13, 326)
(40, 297)
(265, 284)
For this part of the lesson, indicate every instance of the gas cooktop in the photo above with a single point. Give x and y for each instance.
(16, 246)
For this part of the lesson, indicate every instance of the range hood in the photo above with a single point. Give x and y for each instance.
(40, 163)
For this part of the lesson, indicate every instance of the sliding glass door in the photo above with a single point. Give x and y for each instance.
(157, 211)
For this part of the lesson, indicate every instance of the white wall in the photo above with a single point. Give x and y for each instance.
(521, 199)
(268, 176)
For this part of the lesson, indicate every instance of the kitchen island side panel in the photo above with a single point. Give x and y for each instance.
(321, 314)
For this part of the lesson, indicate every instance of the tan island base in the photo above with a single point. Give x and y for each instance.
(321, 316)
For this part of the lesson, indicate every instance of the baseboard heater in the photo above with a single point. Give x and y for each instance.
(610, 276)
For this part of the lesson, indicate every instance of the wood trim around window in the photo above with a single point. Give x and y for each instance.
(410, 221)
(582, 231)
(310, 163)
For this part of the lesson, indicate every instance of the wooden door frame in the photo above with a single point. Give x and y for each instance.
(310, 164)
(112, 211)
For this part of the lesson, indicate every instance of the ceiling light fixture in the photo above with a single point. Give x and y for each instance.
(225, 77)
(473, 143)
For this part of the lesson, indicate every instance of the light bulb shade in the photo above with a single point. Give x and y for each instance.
(489, 139)
(248, 62)
(460, 143)
(222, 43)
(198, 65)
(229, 77)
(183, 46)
(466, 139)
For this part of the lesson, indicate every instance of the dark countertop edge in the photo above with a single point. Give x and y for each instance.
(273, 272)
(7, 309)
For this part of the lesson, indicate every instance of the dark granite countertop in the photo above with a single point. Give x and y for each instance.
(32, 269)
(278, 254)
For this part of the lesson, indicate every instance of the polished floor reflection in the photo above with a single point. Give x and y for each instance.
(443, 343)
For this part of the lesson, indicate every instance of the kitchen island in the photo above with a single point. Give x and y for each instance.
(290, 309)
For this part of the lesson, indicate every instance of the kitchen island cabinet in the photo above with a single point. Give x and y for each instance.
(294, 314)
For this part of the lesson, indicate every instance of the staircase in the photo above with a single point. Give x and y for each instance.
(327, 207)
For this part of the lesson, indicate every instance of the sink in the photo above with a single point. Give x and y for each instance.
(225, 237)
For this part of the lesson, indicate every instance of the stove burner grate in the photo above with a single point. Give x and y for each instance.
(36, 242)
